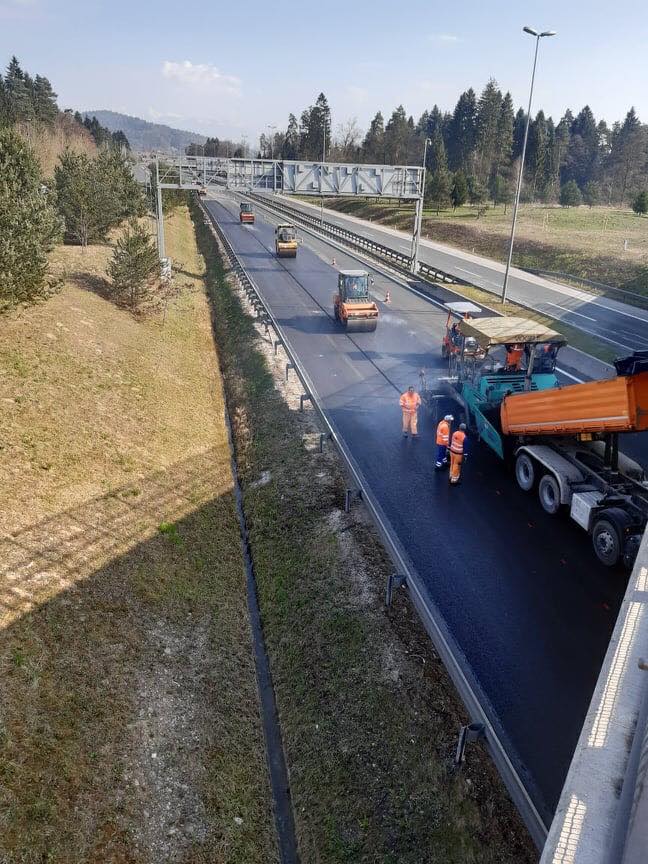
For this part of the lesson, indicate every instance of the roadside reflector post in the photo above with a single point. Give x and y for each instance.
(302, 399)
(277, 343)
(468, 734)
(394, 580)
(348, 497)
(289, 366)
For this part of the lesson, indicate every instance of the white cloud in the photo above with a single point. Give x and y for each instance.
(448, 38)
(200, 75)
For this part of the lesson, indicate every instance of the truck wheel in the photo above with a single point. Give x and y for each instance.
(606, 542)
(549, 494)
(525, 472)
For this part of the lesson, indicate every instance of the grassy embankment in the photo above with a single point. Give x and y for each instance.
(368, 714)
(585, 242)
(129, 727)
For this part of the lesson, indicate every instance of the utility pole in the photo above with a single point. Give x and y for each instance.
(538, 37)
(418, 218)
(322, 173)
(160, 214)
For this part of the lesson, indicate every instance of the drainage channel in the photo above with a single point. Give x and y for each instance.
(282, 800)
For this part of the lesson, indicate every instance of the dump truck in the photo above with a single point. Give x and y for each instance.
(352, 305)
(562, 440)
(246, 213)
(286, 241)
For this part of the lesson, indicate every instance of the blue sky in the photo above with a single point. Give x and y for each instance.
(235, 68)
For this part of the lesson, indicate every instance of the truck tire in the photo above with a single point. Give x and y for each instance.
(549, 494)
(525, 472)
(607, 542)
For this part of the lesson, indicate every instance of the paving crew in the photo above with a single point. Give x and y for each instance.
(458, 451)
(410, 402)
(443, 440)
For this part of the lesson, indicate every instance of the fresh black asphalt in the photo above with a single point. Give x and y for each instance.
(521, 593)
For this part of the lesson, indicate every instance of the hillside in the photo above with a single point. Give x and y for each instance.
(50, 140)
(143, 135)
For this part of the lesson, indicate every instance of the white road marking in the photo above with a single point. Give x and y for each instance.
(571, 311)
(569, 375)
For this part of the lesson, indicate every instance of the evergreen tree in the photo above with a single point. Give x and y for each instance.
(462, 132)
(536, 157)
(504, 138)
(459, 194)
(519, 125)
(591, 194)
(501, 191)
(45, 107)
(29, 225)
(488, 113)
(640, 204)
(134, 267)
(582, 157)
(18, 97)
(397, 135)
(570, 194)
(373, 146)
(290, 148)
(628, 154)
(439, 185)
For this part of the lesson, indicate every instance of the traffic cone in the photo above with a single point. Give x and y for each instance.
(388, 297)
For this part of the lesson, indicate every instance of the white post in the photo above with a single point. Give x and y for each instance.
(418, 218)
(160, 214)
(538, 37)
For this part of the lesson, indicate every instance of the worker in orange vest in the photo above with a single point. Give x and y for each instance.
(458, 451)
(410, 402)
(443, 440)
(514, 357)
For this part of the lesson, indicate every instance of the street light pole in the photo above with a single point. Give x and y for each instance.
(418, 219)
(322, 174)
(518, 189)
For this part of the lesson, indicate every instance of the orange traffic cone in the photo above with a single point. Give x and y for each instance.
(388, 297)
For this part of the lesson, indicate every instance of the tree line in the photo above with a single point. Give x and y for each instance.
(86, 198)
(475, 149)
(27, 99)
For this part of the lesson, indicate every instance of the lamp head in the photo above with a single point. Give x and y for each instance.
(531, 31)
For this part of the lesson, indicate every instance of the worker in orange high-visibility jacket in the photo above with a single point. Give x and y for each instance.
(410, 402)
(458, 452)
(443, 440)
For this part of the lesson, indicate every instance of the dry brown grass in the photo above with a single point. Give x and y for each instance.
(50, 142)
(129, 726)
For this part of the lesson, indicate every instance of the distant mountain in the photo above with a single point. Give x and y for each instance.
(143, 135)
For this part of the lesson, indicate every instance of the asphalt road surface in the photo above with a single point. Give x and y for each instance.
(619, 325)
(527, 604)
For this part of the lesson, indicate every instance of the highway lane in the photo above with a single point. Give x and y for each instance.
(623, 327)
(526, 602)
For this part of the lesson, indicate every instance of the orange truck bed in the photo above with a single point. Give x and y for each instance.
(617, 405)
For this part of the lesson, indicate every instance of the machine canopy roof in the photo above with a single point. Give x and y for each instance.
(462, 307)
(505, 330)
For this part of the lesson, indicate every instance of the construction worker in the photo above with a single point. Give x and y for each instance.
(443, 440)
(458, 451)
(410, 402)
(514, 357)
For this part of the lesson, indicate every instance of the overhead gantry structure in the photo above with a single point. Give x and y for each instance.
(289, 177)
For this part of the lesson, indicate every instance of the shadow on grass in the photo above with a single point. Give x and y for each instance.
(129, 724)
(98, 285)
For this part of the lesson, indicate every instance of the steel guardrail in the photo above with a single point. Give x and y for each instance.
(426, 272)
(382, 253)
(429, 615)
